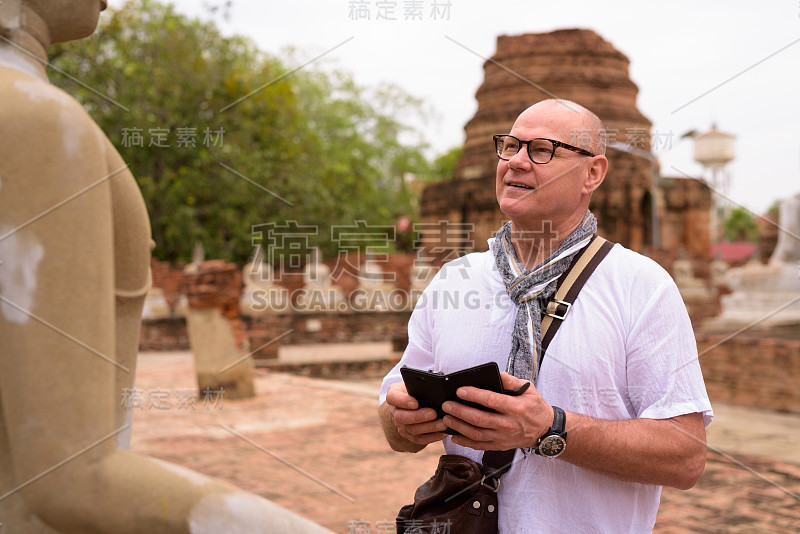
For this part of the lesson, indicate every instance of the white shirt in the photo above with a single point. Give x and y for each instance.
(626, 350)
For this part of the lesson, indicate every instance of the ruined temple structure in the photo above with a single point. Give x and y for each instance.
(581, 66)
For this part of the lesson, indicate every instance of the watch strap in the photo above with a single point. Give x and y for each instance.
(558, 429)
(559, 421)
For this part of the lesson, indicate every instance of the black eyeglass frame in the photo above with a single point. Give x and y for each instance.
(556, 144)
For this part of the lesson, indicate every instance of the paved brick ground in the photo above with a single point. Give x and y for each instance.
(328, 430)
(737, 494)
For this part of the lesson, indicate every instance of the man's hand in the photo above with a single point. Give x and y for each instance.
(518, 421)
(408, 428)
(669, 452)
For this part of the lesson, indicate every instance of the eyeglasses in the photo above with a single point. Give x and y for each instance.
(540, 150)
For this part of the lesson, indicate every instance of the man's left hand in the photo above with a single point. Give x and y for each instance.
(513, 422)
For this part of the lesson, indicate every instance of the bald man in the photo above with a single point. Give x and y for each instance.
(620, 383)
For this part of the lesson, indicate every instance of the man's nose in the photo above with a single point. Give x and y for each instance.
(521, 160)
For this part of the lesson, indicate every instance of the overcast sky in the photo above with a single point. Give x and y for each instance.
(733, 63)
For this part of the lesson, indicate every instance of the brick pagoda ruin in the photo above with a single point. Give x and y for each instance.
(581, 66)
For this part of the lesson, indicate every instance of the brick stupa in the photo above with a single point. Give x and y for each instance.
(577, 65)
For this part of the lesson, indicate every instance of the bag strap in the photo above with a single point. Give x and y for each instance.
(569, 285)
(497, 463)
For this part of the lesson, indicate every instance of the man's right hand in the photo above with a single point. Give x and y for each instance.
(408, 427)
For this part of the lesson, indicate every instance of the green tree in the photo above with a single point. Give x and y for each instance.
(444, 165)
(740, 226)
(222, 137)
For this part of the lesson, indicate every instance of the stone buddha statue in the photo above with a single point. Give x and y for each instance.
(74, 271)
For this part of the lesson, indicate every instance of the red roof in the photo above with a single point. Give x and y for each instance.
(735, 252)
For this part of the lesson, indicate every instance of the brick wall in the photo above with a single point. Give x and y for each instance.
(325, 327)
(168, 277)
(701, 309)
(761, 373)
(164, 334)
(170, 333)
(299, 328)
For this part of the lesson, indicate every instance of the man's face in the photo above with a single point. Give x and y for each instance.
(553, 191)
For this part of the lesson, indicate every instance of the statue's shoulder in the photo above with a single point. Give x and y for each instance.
(40, 116)
(26, 99)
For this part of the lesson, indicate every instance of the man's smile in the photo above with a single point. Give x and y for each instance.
(520, 185)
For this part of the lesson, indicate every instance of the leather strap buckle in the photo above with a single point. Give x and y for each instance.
(553, 307)
(496, 484)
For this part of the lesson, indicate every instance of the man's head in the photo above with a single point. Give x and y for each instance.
(558, 191)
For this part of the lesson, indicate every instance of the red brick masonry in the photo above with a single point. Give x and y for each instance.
(751, 372)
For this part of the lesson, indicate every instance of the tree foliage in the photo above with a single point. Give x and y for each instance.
(740, 226)
(222, 137)
(444, 165)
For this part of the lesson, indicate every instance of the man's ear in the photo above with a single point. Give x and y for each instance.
(595, 174)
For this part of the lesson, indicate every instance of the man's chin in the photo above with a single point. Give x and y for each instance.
(514, 207)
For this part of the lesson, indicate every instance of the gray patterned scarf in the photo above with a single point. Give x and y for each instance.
(531, 289)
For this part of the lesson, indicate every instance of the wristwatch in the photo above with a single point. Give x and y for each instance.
(554, 441)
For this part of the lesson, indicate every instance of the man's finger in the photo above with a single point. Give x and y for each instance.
(484, 397)
(414, 417)
(473, 416)
(426, 439)
(511, 382)
(431, 427)
(473, 434)
(398, 396)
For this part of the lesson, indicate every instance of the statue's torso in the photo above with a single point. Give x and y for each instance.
(131, 254)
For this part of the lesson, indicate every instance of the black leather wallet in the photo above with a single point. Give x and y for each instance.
(432, 389)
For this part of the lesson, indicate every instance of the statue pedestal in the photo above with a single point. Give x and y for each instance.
(216, 333)
(768, 295)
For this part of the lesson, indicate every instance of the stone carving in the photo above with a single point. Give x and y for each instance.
(74, 272)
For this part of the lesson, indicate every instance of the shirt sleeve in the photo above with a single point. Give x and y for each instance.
(664, 376)
(419, 352)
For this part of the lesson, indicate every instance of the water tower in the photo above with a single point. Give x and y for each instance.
(714, 150)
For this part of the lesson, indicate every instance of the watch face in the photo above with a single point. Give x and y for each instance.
(552, 446)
